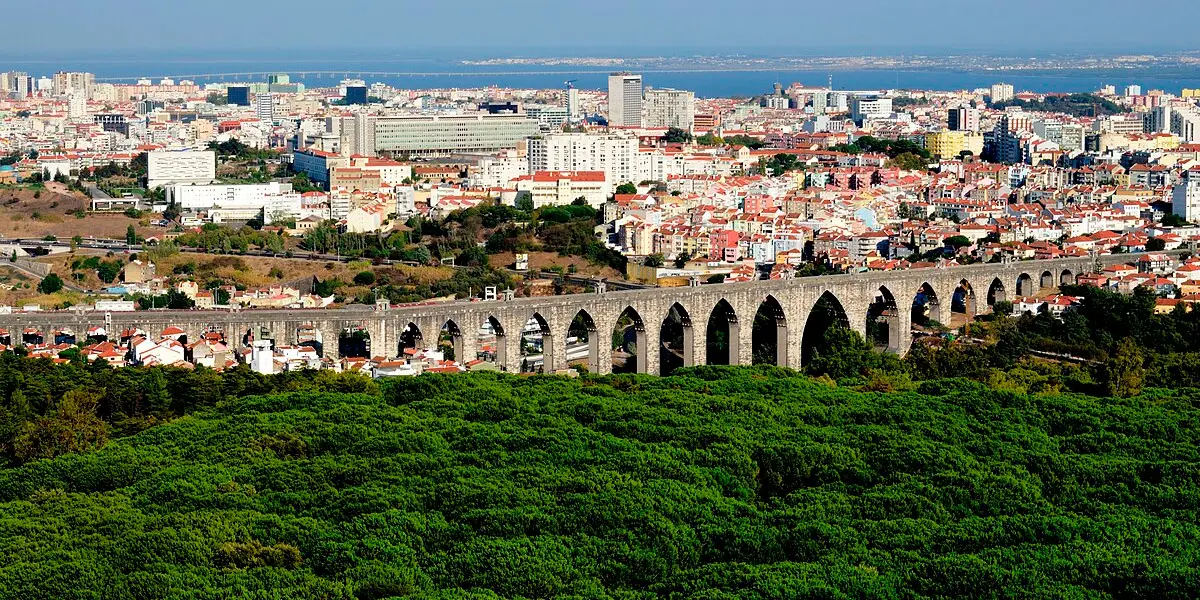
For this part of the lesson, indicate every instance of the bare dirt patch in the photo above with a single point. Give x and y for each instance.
(56, 211)
(541, 261)
(242, 271)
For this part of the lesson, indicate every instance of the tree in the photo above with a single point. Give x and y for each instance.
(1156, 244)
(1012, 344)
(130, 235)
(73, 426)
(14, 416)
(108, 270)
(364, 278)
(782, 163)
(1173, 220)
(844, 353)
(626, 189)
(327, 287)
(1125, 370)
(1002, 307)
(909, 162)
(682, 259)
(172, 300)
(50, 284)
(654, 260)
(155, 396)
(675, 135)
(473, 256)
(957, 241)
(274, 243)
(525, 203)
(750, 142)
(302, 184)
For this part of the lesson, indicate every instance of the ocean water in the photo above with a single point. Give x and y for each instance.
(427, 73)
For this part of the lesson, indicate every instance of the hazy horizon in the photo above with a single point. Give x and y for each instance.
(477, 28)
(308, 54)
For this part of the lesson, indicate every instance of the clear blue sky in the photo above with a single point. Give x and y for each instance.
(513, 27)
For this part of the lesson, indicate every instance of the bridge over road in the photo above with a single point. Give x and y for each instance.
(886, 303)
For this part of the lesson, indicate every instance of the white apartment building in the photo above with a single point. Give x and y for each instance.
(77, 107)
(963, 118)
(573, 110)
(1158, 120)
(1049, 130)
(867, 107)
(205, 197)
(15, 84)
(65, 83)
(1002, 92)
(499, 170)
(340, 205)
(614, 154)
(548, 116)
(1122, 124)
(187, 168)
(625, 100)
(670, 108)
(281, 207)
(406, 200)
(390, 172)
(364, 219)
(264, 108)
(1185, 123)
(434, 135)
(656, 165)
(552, 188)
(1185, 201)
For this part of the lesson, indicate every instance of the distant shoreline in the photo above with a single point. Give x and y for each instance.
(732, 76)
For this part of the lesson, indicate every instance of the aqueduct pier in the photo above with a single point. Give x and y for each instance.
(887, 299)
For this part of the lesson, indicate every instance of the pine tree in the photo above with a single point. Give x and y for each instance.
(1125, 370)
(156, 397)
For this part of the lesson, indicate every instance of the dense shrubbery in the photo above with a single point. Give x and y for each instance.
(1078, 105)
(717, 483)
(892, 148)
(399, 287)
(224, 239)
(36, 401)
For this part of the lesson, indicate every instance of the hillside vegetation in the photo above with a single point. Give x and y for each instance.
(715, 483)
(1076, 105)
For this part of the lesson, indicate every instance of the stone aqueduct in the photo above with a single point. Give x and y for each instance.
(790, 302)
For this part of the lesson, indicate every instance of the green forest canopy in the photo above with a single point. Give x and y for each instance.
(1077, 105)
(716, 483)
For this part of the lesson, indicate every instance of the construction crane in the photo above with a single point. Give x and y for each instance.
(570, 84)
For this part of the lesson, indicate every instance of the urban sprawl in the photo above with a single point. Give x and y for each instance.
(800, 180)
